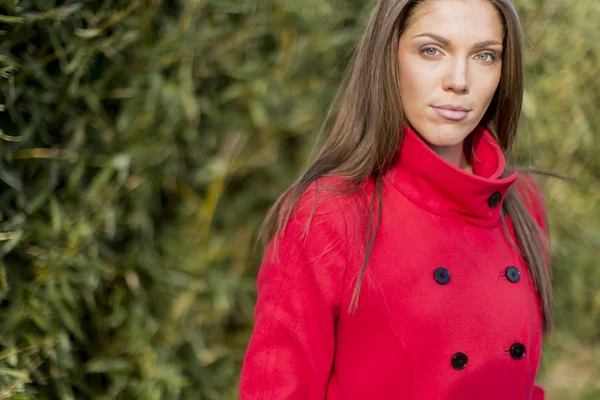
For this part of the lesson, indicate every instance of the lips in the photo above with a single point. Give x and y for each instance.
(451, 112)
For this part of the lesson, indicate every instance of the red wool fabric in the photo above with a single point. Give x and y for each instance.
(440, 315)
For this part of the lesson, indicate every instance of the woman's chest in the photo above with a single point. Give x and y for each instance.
(440, 274)
(442, 299)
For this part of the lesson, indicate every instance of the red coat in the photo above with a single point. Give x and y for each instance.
(447, 311)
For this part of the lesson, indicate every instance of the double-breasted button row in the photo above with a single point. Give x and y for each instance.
(460, 360)
(442, 275)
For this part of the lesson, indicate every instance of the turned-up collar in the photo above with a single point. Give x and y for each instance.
(441, 188)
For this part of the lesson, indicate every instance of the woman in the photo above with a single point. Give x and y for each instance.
(409, 262)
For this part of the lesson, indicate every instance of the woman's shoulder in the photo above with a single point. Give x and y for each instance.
(331, 195)
(332, 203)
(319, 223)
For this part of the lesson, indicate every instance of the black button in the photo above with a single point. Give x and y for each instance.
(441, 275)
(517, 351)
(513, 274)
(494, 199)
(459, 361)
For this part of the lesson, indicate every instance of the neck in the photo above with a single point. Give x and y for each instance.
(454, 155)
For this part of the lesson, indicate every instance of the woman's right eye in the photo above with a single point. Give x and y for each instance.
(429, 51)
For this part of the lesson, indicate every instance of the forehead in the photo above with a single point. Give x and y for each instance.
(457, 20)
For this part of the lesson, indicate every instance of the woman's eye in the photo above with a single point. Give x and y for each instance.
(487, 57)
(429, 51)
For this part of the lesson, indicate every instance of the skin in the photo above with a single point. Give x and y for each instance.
(458, 72)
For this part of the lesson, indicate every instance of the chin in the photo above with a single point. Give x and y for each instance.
(443, 135)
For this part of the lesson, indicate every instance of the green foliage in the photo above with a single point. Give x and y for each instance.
(141, 144)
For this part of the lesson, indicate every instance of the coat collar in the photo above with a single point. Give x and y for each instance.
(443, 189)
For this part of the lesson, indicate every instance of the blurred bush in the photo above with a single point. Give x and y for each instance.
(142, 142)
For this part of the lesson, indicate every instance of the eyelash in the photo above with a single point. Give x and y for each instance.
(492, 60)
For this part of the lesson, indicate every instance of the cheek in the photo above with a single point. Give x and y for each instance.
(486, 87)
(415, 82)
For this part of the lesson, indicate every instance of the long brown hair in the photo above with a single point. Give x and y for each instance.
(368, 131)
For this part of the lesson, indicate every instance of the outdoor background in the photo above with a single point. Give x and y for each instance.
(142, 143)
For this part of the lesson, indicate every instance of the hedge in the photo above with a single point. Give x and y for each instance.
(142, 142)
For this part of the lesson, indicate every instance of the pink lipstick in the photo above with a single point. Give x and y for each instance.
(452, 112)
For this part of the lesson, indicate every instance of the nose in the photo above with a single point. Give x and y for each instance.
(457, 76)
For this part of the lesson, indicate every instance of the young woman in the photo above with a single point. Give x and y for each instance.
(409, 262)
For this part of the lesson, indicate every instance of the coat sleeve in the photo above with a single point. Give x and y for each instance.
(538, 393)
(534, 201)
(291, 349)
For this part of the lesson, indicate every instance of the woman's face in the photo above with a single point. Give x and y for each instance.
(450, 58)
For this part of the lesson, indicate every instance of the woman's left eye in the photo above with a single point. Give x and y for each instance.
(487, 57)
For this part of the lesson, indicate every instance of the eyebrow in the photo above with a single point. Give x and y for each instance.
(447, 42)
